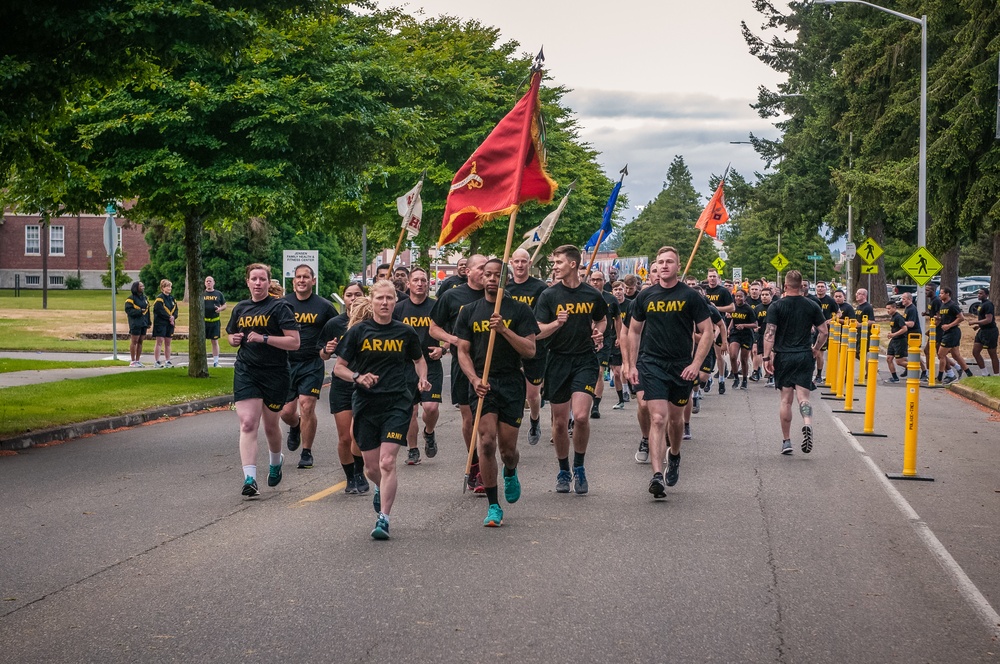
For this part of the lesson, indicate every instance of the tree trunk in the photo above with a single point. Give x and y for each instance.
(876, 293)
(995, 270)
(43, 243)
(949, 273)
(195, 289)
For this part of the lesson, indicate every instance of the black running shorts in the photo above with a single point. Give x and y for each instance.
(381, 421)
(568, 374)
(987, 338)
(505, 398)
(459, 384)
(341, 396)
(269, 385)
(708, 366)
(743, 339)
(305, 379)
(794, 369)
(662, 381)
(534, 370)
(951, 338)
(897, 347)
(616, 358)
(213, 329)
(163, 330)
(604, 357)
(435, 376)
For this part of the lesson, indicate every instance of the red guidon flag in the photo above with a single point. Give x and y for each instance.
(714, 213)
(505, 171)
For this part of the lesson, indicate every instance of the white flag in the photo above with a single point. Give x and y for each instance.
(540, 234)
(411, 209)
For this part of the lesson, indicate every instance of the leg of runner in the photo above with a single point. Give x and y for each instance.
(657, 410)
(487, 448)
(272, 433)
(432, 411)
(387, 453)
(307, 424)
(345, 439)
(560, 439)
(645, 424)
(802, 394)
(290, 416)
(249, 413)
(785, 417)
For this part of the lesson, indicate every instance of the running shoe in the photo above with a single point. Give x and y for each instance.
(274, 473)
(381, 530)
(743, 385)
(215, 364)
(619, 406)
(708, 385)
(572, 423)
(377, 501)
(893, 379)
(250, 487)
(595, 414)
(722, 387)
(352, 486)
(807, 439)
(626, 396)
(736, 383)
(361, 482)
(673, 468)
(923, 375)
(494, 517)
(511, 488)
(819, 378)
(306, 459)
(430, 444)
(158, 365)
(948, 380)
(687, 432)
(294, 438)
(479, 489)
(657, 487)
(580, 480)
(131, 364)
(168, 364)
(755, 376)
(534, 433)
(696, 403)
(413, 457)
(562, 481)
(902, 374)
(786, 447)
(642, 455)
(770, 381)
(473, 475)
(140, 365)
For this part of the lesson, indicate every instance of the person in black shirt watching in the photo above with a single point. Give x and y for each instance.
(743, 322)
(342, 391)
(572, 315)
(665, 365)
(898, 351)
(215, 304)
(503, 394)
(415, 311)
(265, 331)
(950, 318)
(985, 325)
(444, 314)
(460, 278)
(306, 368)
(829, 307)
(610, 341)
(525, 289)
(788, 354)
(845, 308)
(384, 359)
(137, 310)
(723, 300)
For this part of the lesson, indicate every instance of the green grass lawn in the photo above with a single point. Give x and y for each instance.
(34, 407)
(987, 384)
(80, 300)
(23, 334)
(11, 365)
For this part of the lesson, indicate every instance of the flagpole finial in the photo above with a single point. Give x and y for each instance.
(572, 185)
(539, 59)
(624, 171)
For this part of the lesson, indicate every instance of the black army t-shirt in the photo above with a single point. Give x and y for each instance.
(449, 304)
(527, 292)
(863, 310)
(669, 316)
(986, 308)
(948, 313)
(795, 316)
(614, 313)
(270, 316)
(911, 315)
(335, 328)
(584, 304)
(312, 314)
(213, 299)
(827, 304)
(760, 312)
(719, 296)
(742, 315)
(388, 351)
(847, 311)
(417, 316)
(473, 325)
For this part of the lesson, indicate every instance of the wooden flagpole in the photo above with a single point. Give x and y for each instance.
(593, 256)
(489, 347)
(722, 183)
(399, 243)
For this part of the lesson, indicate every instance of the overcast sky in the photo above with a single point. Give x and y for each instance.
(650, 79)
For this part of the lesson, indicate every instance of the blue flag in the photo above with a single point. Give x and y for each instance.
(609, 211)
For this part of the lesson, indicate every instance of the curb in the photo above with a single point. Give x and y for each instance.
(975, 395)
(79, 429)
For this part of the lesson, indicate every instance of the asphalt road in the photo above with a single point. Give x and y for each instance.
(137, 546)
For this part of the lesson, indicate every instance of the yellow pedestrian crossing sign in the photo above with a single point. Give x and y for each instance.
(869, 269)
(922, 265)
(718, 264)
(779, 262)
(869, 252)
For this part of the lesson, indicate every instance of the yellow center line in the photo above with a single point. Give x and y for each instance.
(324, 493)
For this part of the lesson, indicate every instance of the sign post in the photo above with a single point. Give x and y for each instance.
(292, 258)
(737, 276)
(111, 246)
(815, 258)
(780, 263)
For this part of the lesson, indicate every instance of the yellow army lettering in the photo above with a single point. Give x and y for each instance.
(589, 388)
(394, 435)
(527, 299)
(665, 307)
(253, 321)
(383, 345)
(576, 308)
(739, 315)
(306, 317)
(417, 321)
(484, 325)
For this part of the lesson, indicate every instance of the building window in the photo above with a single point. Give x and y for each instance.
(56, 281)
(57, 240)
(32, 280)
(31, 241)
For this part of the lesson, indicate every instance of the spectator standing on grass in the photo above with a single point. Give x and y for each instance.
(137, 310)
(164, 320)
(215, 304)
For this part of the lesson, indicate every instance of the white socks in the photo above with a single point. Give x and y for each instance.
(250, 471)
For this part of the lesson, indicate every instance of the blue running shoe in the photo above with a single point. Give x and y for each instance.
(381, 530)
(673, 468)
(250, 489)
(580, 480)
(377, 501)
(511, 488)
(274, 473)
(562, 481)
(494, 517)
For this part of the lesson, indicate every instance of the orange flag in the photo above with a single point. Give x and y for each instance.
(505, 171)
(715, 213)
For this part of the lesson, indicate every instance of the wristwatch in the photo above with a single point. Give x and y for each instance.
(265, 339)
(354, 378)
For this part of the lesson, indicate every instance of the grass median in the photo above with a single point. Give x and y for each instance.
(9, 365)
(34, 407)
(986, 384)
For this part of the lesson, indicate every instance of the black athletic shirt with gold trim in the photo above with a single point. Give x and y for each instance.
(271, 316)
(312, 315)
(585, 305)
(669, 316)
(388, 351)
(473, 325)
(417, 316)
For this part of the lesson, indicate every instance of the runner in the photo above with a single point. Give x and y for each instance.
(618, 291)
(444, 314)
(628, 359)
(665, 364)
(609, 343)
(753, 299)
(358, 307)
(950, 318)
(761, 313)
(215, 304)
(525, 289)
(460, 277)
(708, 366)
(503, 394)
(897, 353)
(264, 330)
(743, 321)
(829, 307)
(933, 308)
(573, 315)
(986, 334)
(844, 307)
(379, 356)
(415, 311)
(137, 310)
(722, 298)
(164, 319)
(912, 319)
(631, 286)
(789, 355)
(306, 368)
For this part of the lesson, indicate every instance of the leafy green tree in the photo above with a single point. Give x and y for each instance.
(121, 277)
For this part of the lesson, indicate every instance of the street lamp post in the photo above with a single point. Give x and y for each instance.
(922, 177)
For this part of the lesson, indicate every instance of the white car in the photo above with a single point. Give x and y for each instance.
(968, 292)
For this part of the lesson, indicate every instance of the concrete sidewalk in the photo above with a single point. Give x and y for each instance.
(34, 377)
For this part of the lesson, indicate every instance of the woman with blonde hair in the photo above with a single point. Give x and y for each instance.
(164, 319)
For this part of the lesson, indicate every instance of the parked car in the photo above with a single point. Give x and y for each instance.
(968, 292)
(896, 294)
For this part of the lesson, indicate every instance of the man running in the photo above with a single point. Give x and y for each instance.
(665, 364)
(572, 315)
(933, 308)
(415, 311)
(503, 393)
(215, 304)
(950, 318)
(461, 277)
(742, 323)
(609, 343)
(618, 291)
(761, 314)
(722, 298)
(985, 325)
(897, 353)
(525, 289)
(790, 357)
(306, 367)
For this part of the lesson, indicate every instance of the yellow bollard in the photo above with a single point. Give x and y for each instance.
(852, 347)
(864, 338)
(932, 360)
(912, 415)
(842, 357)
(833, 355)
(872, 386)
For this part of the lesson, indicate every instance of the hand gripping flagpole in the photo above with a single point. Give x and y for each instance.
(702, 233)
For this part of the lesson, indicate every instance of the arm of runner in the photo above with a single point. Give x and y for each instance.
(958, 321)
(701, 351)
(422, 383)
(468, 368)
(634, 335)
(769, 344)
(525, 346)
(822, 332)
(440, 334)
(548, 329)
(288, 341)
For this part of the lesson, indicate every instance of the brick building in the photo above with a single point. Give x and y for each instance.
(75, 248)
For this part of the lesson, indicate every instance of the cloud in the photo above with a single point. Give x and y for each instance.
(596, 103)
